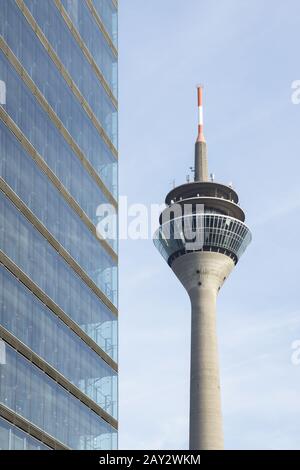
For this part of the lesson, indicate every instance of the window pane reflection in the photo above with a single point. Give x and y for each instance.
(40, 130)
(13, 438)
(94, 39)
(46, 404)
(108, 13)
(43, 264)
(27, 318)
(22, 40)
(38, 192)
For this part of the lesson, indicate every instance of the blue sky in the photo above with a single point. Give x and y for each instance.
(246, 53)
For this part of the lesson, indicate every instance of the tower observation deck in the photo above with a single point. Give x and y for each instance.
(202, 236)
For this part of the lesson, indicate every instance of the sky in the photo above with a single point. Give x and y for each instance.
(246, 53)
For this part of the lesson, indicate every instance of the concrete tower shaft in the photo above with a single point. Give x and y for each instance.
(201, 168)
(202, 274)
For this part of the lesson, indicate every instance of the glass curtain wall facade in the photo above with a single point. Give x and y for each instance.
(58, 275)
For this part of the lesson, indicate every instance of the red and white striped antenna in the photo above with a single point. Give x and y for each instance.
(200, 137)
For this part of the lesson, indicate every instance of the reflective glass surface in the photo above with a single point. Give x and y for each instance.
(44, 265)
(25, 388)
(49, 142)
(23, 42)
(70, 53)
(108, 14)
(38, 192)
(91, 34)
(27, 318)
(32, 394)
(13, 438)
(216, 231)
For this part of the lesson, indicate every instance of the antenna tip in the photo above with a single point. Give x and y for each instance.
(200, 137)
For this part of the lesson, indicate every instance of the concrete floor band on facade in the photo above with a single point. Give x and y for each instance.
(202, 270)
(202, 274)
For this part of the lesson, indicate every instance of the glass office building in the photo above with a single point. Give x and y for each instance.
(58, 274)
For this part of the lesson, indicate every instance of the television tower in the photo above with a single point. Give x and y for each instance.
(202, 236)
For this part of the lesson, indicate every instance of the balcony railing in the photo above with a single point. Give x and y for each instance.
(197, 232)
